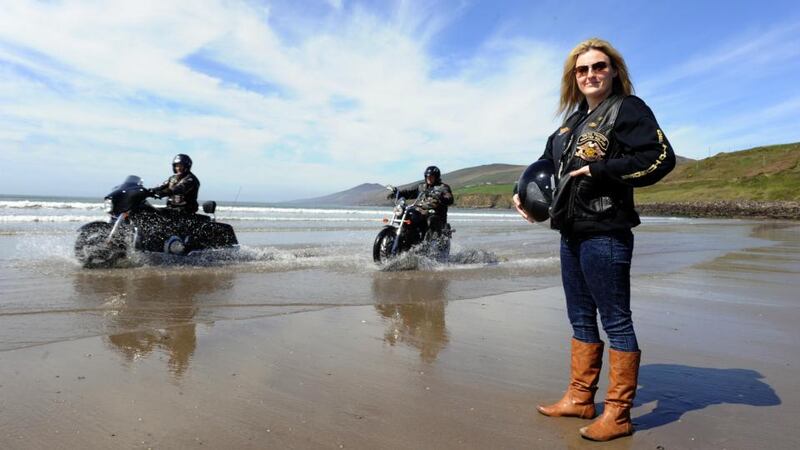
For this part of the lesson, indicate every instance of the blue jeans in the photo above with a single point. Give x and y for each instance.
(595, 272)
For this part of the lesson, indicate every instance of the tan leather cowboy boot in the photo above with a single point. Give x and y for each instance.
(616, 418)
(578, 401)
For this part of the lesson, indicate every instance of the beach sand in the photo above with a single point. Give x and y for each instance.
(720, 369)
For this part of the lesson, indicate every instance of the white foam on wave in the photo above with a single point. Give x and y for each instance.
(295, 219)
(43, 218)
(671, 219)
(484, 214)
(266, 210)
(25, 218)
(37, 204)
(346, 212)
(270, 209)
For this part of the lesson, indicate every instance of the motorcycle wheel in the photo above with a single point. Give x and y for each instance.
(382, 248)
(93, 250)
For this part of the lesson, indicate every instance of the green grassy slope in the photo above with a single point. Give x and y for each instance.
(769, 173)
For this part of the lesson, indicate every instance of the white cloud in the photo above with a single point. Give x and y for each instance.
(124, 85)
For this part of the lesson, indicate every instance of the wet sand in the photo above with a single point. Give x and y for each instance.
(720, 342)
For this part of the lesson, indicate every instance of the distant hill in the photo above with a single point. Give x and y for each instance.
(487, 175)
(480, 177)
(363, 194)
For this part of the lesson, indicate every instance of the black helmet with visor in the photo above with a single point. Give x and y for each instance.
(182, 159)
(434, 172)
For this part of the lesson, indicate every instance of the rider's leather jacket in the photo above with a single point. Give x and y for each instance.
(624, 148)
(436, 197)
(182, 192)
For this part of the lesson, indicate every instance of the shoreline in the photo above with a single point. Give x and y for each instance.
(734, 209)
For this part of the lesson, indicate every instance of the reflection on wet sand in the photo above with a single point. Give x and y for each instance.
(152, 312)
(413, 306)
(179, 342)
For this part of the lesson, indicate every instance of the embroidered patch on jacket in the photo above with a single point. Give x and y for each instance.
(591, 146)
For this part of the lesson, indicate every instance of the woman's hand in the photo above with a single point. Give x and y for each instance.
(582, 171)
(518, 207)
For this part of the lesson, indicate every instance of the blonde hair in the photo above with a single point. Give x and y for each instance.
(571, 96)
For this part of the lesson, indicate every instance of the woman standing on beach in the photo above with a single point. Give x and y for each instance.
(609, 143)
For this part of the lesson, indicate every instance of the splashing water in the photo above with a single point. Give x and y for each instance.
(427, 258)
(473, 256)
(36, 249)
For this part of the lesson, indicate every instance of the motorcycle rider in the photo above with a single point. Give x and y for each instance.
(181, 188)
(178, 218)
(435, 198)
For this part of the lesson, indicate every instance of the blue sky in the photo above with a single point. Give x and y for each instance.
(288, 99)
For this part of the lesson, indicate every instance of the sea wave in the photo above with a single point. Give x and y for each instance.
(84, 218)
(64, 218)
(274, 209)
(229, 209)
(36, 204)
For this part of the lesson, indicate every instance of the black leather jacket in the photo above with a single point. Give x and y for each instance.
(182, 192)
(436, 197)
(624, 148)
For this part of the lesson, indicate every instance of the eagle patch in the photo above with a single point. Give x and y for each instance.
(591, 146)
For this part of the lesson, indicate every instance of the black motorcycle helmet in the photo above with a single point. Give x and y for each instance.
(180, 158)
(433, 171)
(535, 189)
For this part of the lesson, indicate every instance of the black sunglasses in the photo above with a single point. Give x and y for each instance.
(596, 67)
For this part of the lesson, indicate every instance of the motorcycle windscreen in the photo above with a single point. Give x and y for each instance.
(131, 181)
(127, 195)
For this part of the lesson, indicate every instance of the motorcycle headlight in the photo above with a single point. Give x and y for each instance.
(398, 210)
(108, 206)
